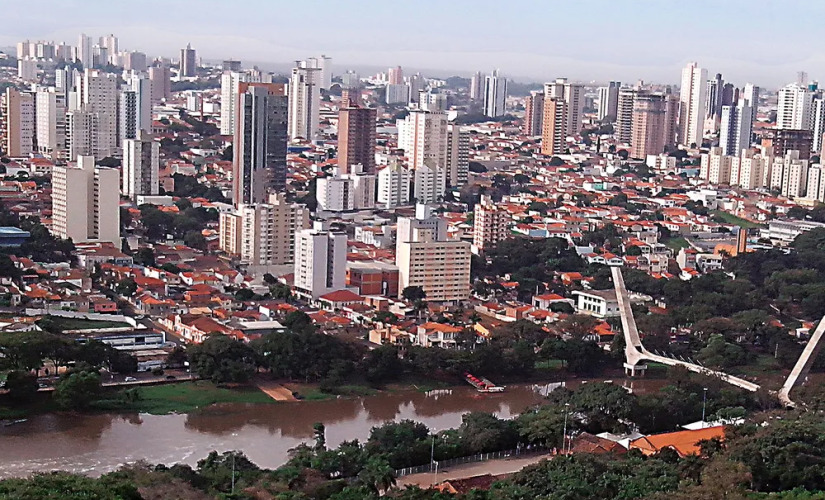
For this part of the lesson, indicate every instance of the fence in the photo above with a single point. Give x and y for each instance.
(479, 457)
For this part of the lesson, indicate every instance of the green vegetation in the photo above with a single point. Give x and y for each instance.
(59, 324)
(728, 218)
(180, 397)
(677, 244)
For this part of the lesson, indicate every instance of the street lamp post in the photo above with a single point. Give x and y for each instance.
(564, 430)
(704, 404)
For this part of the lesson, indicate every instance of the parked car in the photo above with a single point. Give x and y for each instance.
(130, 379)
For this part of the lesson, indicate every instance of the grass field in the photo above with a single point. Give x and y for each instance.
(183, 397)
(677, 243)
(732, 219)
(85, 324)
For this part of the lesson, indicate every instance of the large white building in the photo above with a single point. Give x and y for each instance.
(692, 104)
(427, 259)
(99, 96)
(83, 51)
(749, 170)
(320, 262)
(18, 122)
(495, 95)
(818, 123)
(304, 103)
(344, 192)
(716, 166)
(394, 185)
(323, 63)
(789, 174)
(50, 106)
(458, 155)
(423, 136)
(141, 166)
(86, 201)
(429, 183)
(230, 85)
(794, 107)
(736, 127)
(397, 93)
(608, 101)
(263, 234)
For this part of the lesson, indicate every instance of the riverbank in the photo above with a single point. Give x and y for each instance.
(192, 396)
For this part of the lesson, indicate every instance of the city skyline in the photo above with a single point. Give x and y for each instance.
(623, 41)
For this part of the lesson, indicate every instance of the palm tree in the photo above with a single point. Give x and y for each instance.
(377, 474)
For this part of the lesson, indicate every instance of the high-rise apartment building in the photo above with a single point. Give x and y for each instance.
(18, 122)
(85, 202)
(458, 156)
(794, 106)
(394, 182)
(736, 128)
(323, 63)
(354, 190)
(395, 76)
(608, 102)
(495, 95)
(304, 103)
(818, 122)
(161, 83)
(110, 43)
(83, 51)
(260, 142)
(135, 107)
(716, 167)
(429, 182)
(789, 174)
(779, 141)
(533, 113)
(713, 99)
(188, 62)
(230, 85)
(428, 259)
(749, 170)
(573, 96)
(624, 115)
(141, 165)
(477, 86)
(320, 262)
(396, 93)
(554, 124)
(692, 99)
(654, 124)
(423, 136)
(263, 234)
(491, 224)
(50, 106)
(356, 138)
(81, 138)
(99, 96)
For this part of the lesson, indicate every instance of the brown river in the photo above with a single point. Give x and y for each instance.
(99, 443)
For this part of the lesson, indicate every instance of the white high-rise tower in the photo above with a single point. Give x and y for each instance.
(692, 104)
(304, 102)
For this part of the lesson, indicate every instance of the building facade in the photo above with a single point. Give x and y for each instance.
(85, 202)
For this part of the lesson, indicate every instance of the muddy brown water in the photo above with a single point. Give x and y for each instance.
(99, 443)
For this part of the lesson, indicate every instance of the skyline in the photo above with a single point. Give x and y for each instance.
(623, 42)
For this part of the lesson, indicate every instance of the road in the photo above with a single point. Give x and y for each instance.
(494, 467)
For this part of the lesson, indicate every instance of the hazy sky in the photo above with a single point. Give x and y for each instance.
(763, 41)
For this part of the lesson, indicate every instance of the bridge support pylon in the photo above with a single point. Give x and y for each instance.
(635, 370)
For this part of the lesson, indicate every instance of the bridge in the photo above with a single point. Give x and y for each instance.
(803, 364)
(636, 355)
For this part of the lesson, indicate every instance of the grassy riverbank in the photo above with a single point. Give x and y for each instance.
(183, 397)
